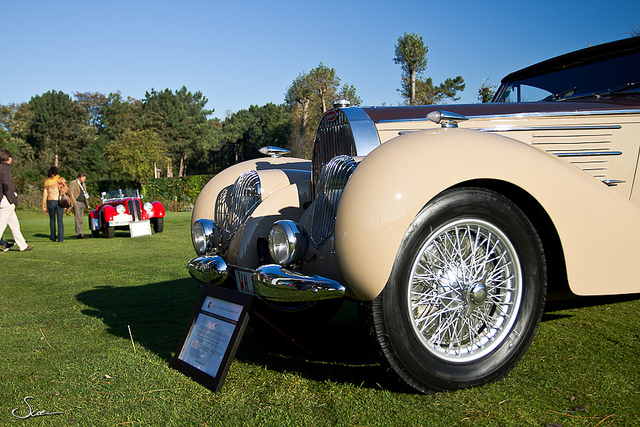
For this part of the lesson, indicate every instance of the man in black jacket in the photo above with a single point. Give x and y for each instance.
(8, 201)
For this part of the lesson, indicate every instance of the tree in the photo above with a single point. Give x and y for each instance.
(14, 125)
(411, 55)
(57, 128)
(93, 103)
(135, 153)
(325, 83)
(486, 91)
(242, 134)
(298, 97)
(180, 119)
(308, 98)
(349, 92)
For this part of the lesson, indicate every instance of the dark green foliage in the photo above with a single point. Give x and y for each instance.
(57, 130)
(180, 119)
(245, 132)
(184, 190)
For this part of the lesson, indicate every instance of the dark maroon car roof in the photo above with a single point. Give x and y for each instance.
(591, 54)
(378, 114)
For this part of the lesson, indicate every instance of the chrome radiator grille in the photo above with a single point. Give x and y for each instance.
(331, 182)
(333, 138)
(133, 206)
(235, 203)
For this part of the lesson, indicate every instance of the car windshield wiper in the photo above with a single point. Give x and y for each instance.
(562, 95)
(618, 89)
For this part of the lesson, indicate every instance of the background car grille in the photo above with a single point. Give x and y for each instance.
(133, 206)
(235, 203)
(333, 138)
(331, 182)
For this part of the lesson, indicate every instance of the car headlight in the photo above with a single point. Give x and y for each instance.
(147, 207)
(206, 236)
(121, 209)
(288, 242)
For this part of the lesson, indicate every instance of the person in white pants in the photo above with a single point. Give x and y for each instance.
(8, 200)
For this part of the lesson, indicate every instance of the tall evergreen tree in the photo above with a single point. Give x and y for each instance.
(411, 54)
(180, 119)
(57, 128)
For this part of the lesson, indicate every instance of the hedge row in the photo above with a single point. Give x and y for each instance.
(172, 192)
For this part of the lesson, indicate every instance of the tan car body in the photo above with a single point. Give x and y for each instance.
(456, 222)
(598, 226)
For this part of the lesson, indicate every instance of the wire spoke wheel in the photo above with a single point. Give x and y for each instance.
(465, 295)
(465, 290)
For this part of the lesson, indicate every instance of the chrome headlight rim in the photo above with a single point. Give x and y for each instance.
(147, 206)
(288, 242)
(121, 209)
(205, 236)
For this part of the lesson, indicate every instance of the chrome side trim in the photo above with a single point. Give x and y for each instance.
(275, 283)
(588, 153)
(521, 115)
(545, 128)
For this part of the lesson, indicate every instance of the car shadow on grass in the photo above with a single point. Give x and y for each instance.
(555, 309)
(158, 314)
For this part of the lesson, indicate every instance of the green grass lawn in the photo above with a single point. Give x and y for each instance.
(66, 310)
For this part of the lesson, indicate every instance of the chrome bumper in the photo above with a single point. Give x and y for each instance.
(271, 282)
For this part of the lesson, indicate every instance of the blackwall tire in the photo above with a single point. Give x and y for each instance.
(466, 293)
(158, 225)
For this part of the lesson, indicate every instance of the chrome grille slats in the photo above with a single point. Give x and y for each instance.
(133, 206)
(235, 203)
(331, 182)
(333, 138)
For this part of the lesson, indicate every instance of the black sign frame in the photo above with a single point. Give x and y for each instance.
(211, 339)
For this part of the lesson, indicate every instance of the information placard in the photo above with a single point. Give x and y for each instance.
(209, 343)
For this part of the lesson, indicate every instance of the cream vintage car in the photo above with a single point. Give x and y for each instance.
(452, 224)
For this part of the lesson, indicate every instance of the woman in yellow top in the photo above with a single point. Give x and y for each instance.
(54, 186)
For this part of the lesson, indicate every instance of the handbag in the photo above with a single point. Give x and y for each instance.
(64, 201)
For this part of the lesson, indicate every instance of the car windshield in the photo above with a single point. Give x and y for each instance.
(119, 194)
(613, 75)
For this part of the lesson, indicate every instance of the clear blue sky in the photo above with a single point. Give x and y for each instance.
(239, 53)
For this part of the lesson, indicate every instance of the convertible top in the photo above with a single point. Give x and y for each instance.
(588, 55)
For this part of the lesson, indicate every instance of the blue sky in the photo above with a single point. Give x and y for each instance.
(239, 53)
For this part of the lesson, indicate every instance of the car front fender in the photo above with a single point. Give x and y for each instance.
(395, 181)
(204, 206)
(158, 210)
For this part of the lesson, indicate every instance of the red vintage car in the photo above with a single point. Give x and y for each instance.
(124, 209)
